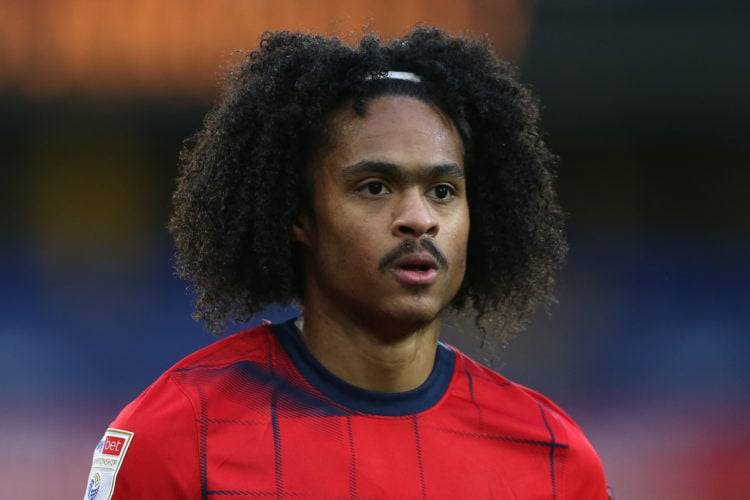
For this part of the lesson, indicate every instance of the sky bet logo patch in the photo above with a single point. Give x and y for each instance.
(113, 445)
(108, 457)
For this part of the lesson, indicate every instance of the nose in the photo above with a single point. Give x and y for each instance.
(414, 217)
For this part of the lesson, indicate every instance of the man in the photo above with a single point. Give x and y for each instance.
(376, 186)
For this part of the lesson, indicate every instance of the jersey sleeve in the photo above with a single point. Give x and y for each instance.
(580, 474)
(582, 471)
(150, 450)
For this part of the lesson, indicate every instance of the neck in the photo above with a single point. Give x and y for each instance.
(366, 357)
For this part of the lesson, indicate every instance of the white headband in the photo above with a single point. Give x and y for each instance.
(397, 75)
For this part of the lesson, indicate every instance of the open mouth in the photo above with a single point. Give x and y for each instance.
(416, 274)
(416, 268)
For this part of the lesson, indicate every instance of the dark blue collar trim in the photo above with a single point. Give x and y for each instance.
(360, 400)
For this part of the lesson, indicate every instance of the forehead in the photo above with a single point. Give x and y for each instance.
(394, 129)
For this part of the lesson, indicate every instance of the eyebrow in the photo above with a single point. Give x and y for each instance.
(386, 169)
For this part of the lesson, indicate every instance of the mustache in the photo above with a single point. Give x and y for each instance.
(411, 246)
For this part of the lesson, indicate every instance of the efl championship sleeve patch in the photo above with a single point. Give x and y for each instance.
(108, 457)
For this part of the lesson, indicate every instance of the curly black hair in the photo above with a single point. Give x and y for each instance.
(244, 177)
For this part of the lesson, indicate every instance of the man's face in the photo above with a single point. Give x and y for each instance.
(386, 242)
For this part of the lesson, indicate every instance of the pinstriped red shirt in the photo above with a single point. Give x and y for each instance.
(256, 416)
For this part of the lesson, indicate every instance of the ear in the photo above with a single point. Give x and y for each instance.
(302, 230)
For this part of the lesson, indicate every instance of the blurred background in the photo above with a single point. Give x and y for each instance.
(647, 103)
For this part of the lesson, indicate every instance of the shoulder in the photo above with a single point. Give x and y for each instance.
(176, 393)
(154, 444)
(498, 392)
(250, 344)
(529, 415)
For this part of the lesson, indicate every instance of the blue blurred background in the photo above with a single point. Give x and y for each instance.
(645, 101)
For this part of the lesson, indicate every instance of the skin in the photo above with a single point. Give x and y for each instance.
(391, 179)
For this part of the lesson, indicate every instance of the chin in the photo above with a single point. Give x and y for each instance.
(409, 317)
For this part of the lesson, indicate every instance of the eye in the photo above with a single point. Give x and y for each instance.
(442, 192)
(374, 188)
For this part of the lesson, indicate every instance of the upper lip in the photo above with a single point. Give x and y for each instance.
(418, 259)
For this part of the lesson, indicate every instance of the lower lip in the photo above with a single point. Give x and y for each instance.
(409, 277)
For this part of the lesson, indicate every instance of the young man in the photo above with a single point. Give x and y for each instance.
(376, 186)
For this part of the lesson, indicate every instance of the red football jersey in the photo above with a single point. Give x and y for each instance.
(255, 415)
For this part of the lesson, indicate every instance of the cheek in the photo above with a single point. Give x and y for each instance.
(343, 242)
(459, 247)
(459, 233)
